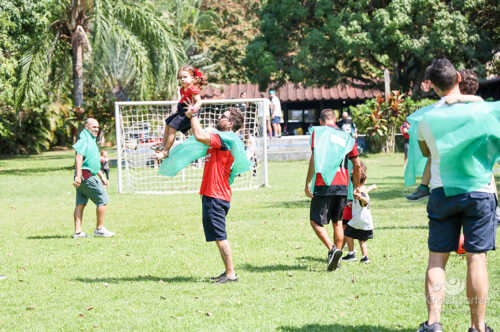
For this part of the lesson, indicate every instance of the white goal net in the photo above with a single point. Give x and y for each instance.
(140, 126)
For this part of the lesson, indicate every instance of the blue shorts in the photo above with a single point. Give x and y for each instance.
(276, 120)
(474, 211)
(214, 218)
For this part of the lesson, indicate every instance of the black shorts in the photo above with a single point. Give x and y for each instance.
(326, 208)
(214, 218)
(474, 211)
(358, 234)
(179, 121)
(406, 147)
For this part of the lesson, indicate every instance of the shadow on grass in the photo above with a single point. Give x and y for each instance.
(313, 259)
(404, 227)
(48, 237)
(291, 204)
(381, 194)
(138, 278)
(340, 328)
(31, 171)
(272, 268)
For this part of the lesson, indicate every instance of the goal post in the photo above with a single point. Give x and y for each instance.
(140, 126)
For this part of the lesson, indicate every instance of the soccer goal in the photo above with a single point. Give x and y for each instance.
(140, 126)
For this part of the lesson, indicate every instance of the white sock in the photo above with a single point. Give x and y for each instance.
(352, 252)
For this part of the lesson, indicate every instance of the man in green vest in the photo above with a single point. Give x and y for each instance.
(462, 142)
(89, 180)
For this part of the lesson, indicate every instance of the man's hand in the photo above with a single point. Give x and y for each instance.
(77, 181)
(104, 181)
(307, 190)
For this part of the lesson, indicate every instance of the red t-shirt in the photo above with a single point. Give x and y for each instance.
(217, 170)
(406, 126)
(340, 181)
(188, 93)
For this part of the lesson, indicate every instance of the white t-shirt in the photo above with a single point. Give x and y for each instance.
(276, 107)
(425, 134)
(361, 215)
(266, 109)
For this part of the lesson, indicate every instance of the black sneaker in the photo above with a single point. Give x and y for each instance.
(486, 328)
(224, 279)
(365, 260)
(349, 257)
(421, 192)
(334, 259)
(223, 274)
(436, 327)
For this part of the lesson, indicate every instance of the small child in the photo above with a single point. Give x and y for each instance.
(191, 81)
(360, 226)
(105, 163)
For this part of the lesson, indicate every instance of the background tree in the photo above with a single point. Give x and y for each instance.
(76, 25)
(227, 46)
(325, 42)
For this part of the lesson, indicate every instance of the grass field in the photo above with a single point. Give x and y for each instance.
(153, 276)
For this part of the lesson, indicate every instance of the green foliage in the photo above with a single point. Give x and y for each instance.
(227, 46)
(324, 42)
(381, 119)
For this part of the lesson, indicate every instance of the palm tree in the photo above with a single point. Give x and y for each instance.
(150, 51)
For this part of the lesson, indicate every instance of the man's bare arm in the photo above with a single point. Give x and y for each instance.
(201, 135)
(78, 170)
(356, 172)
(424, 148)
(310, 173)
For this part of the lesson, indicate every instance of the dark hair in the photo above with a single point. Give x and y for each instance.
(327, 114)
(200, 80)
(469, 83)
(442, 74)
(236, 118)
(362, 178)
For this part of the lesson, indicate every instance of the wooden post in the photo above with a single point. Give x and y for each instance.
(387, 81)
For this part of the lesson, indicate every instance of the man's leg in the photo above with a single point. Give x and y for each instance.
(100, 211)
(227, 257)
(322, 234)
(435, 285)
(78, 217)
(477, 288)
(338, 234)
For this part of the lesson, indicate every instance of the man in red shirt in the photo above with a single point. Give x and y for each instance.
(328, 201)
(406, 135)
(215, 189)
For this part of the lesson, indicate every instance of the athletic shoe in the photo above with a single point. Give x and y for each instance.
(365, 260)
(2, 277)
(223, 274)
(334, 259)
(225, 279)
(436, 327)
(349, 257)
(103, 232)
(79, 235)
(486, 328)
(421, 192)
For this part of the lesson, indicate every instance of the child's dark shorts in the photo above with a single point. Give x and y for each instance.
(214, 218)
(358, 234)
(179, 121)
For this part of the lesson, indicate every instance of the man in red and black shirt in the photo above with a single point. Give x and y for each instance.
(215, 189)
(328, 200)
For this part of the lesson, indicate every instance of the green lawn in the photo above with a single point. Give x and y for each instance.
(153, 276)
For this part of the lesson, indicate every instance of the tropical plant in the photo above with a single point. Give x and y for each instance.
(381, 119)
(151, 51)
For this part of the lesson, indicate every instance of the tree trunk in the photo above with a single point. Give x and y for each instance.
(78, 43)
